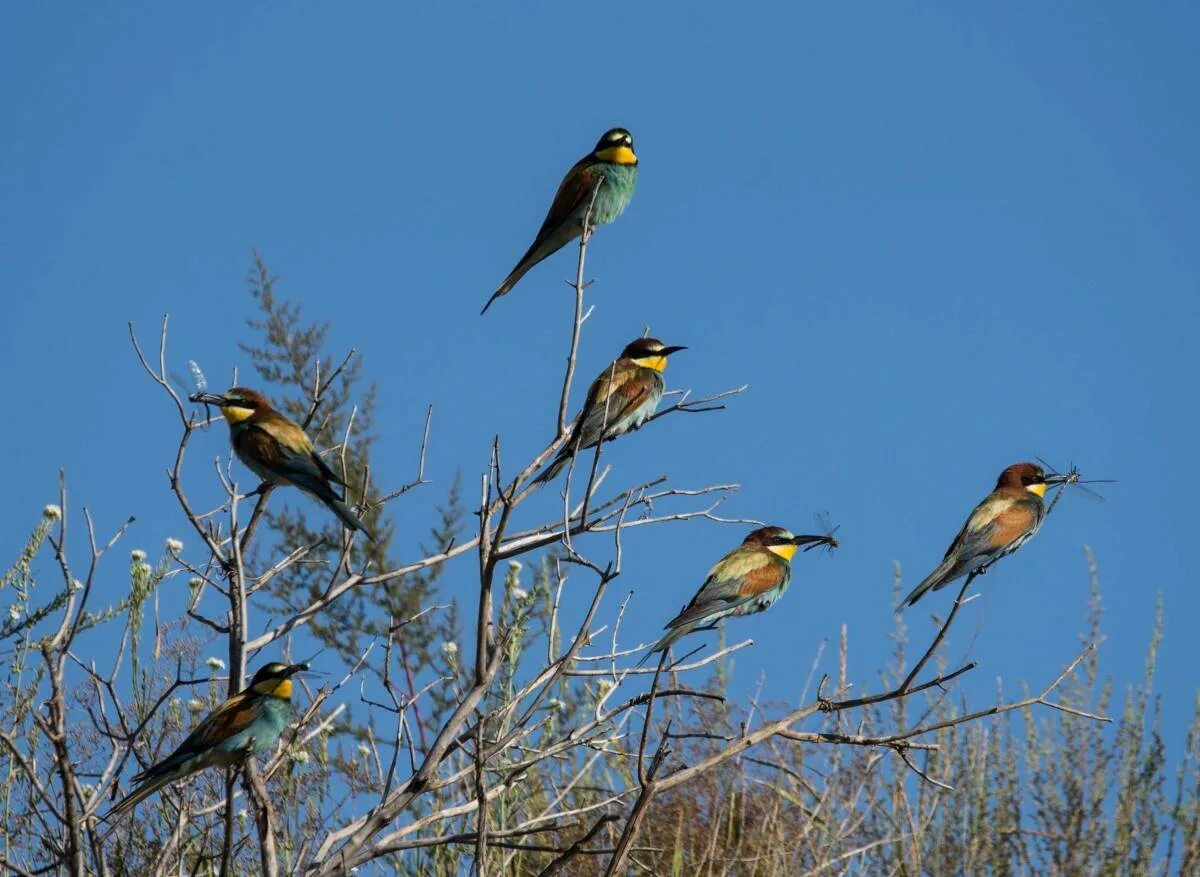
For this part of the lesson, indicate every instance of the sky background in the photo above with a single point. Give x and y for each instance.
(934, 241)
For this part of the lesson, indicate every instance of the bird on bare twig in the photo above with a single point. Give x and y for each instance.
(249, 723)
(602, 181)
(1006, 519)
(278, 450)
(745, 581)
(621, 399)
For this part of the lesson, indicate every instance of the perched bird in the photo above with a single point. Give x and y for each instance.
(621, 399)
(614, 160)
(1005, 520)
(249, 723)
(745, 581)
(277, 450)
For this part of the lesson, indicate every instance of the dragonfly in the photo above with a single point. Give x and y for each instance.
(1072, 479)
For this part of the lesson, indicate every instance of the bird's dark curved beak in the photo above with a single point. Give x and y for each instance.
(814, 541)
(667, 351)
(293, 669)
(208, 398)
(1056, 479)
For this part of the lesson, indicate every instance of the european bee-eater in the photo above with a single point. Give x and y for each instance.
(745, 581)
(277, 450)
(614, 161)
(1005, 520)
(621, 399)
(249, 723)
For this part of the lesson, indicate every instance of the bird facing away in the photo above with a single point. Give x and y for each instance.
(621, 399)
(745, 581)
(249, 723)
(277, 450)
(612, 165)
(1005, 520)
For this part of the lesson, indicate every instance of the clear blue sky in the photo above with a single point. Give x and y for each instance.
(933, 240)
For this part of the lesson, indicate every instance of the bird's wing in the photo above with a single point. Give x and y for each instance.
(226, 720)
(738, 578)
(613, 396)
(221, 724)
(996, 524)
(285, 450)
(574, 192)
(329, 474)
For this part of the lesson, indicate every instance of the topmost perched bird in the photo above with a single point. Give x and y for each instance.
(613, 161)
(277, 450)
(1006, 519)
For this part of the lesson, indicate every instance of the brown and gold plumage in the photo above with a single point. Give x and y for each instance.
(745, 581)
(620, 399)
(1006, 519)
(278, 450)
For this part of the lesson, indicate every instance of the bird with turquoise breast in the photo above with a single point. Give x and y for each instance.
(621, 398)
(248, 724)
(607, 174)
(277, 450)
(1006, 519)
(745, 581)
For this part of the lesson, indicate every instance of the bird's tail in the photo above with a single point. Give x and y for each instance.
(666, 642)
(348, 517)
(144, 791)
(945, 573)
(538, 250)
(556, 466)
(509, 282)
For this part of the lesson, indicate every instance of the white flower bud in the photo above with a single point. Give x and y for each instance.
(174, 546)
(196, 705)
(449, 649)
(215, 663)
(137, 555)
(52, 512)
(14, 612)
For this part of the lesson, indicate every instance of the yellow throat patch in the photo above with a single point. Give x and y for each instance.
(275, 688)
(787, 552)
(658, 363)
(234, 414)
(1036, 489)
(617, 155)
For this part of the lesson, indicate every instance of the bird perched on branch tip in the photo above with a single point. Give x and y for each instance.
(608, 174)
(1005, 520)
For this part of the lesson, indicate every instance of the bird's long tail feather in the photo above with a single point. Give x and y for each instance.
(509, 282)
(143, 792)
(666, 642)
(556, 466)
(939, 578)
(541, 248)
(351, 520)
